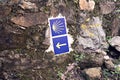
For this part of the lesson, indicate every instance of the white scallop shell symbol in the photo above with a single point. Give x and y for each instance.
(58, 26)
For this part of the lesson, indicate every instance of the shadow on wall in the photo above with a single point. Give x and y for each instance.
(113, 52)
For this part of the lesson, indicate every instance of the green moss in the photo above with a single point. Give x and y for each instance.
(79, 57)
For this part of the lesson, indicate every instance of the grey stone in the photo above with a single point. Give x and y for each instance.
(91, 60)
(92, 36)
(107, 7)
(115, 42)
(109, 64)
(93, 73)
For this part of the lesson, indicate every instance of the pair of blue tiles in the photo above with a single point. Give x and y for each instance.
(59, 35)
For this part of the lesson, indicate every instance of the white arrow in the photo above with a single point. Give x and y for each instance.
(59, 45)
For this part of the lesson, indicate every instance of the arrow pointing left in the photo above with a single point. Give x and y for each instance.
(59, 45)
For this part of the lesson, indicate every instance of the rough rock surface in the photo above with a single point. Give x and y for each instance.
(28, 5)
(30, 19)
(93, 73)
(11, 38)
(64, 10)
(107, 7)
(73, 75)
(23, 24)
(4, 11)
(109, 64)
(92, 35)
(115, 42)
(91, 60)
